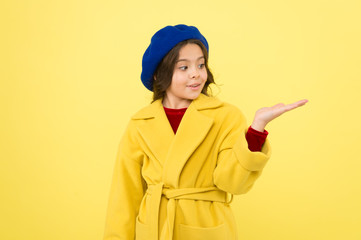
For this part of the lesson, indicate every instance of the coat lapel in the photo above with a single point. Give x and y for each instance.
(192, 130)
(156, 131)
(173, 151)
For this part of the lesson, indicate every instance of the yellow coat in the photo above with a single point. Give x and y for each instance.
(179, 186)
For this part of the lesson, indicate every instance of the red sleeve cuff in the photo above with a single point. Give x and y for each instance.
(255, 139)
(264, 133)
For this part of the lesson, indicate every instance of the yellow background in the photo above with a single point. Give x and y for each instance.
(70, 80)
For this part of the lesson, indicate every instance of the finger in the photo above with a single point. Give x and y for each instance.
(279, 109)
(301, 102)
(295, 104)
(279, 105)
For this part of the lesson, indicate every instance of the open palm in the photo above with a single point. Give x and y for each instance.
(264, 115)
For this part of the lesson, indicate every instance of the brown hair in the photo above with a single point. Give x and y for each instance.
(164, 71)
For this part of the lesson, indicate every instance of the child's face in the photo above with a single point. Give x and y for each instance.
(189, 76)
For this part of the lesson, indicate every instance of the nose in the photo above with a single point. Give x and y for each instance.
(194, 73)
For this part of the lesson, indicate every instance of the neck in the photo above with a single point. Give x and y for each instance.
(176, 103)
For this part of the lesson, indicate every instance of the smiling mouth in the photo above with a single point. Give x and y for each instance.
(194, 85)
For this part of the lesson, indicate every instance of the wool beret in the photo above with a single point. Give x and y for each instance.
(161, 43)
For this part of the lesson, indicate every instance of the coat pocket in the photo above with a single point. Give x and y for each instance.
(141, 230)
(199, 233)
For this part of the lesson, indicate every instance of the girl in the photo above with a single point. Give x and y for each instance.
(183, 157)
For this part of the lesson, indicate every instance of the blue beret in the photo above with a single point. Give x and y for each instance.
(161, 43)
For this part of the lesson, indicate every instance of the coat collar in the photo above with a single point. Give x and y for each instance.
(173, 151)
(201, 103)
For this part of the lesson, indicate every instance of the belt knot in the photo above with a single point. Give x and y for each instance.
(172, 194)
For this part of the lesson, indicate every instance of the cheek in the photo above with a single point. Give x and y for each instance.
(176, 82)
(204, 75)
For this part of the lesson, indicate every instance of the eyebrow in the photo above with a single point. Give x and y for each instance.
(179, 60)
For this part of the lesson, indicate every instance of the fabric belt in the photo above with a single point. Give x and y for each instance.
(158, 190)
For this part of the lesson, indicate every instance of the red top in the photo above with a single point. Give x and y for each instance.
(254, 138)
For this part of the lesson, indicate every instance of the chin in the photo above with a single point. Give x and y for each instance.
(194, 96)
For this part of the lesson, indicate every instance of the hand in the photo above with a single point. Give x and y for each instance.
(264, 115)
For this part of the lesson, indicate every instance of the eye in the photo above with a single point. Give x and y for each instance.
(183, 68)
(201, 65)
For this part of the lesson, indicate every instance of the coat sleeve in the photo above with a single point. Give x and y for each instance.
(237, 167)
(127, 189)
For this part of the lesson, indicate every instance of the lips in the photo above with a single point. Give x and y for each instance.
(194, 85)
